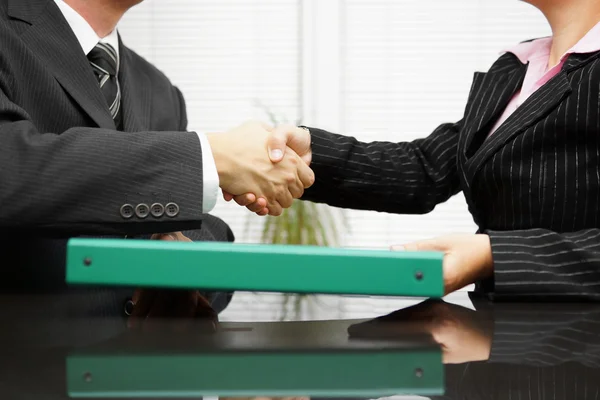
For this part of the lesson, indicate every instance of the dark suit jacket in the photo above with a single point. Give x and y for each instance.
(65, 170)
(63, 166)
(533, 186)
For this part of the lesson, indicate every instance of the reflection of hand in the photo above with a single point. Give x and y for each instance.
(467, 258)
(463, 334)
(170, 303)
(243, 163)
(283, 139)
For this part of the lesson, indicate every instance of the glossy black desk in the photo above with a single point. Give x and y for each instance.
(431, 349)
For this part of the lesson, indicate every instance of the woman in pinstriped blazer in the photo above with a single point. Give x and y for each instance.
(526, 155)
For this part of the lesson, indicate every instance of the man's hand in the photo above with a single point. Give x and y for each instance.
(464, 335)
(467, 258)
(243, 163)
(283, 139)
(172, 303)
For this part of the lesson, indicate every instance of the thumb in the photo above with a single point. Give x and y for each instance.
(277, 143)
(424, 245)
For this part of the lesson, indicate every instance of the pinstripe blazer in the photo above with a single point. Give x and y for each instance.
(533, 186)
(63, 166)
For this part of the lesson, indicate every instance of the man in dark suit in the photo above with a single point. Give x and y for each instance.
(526, 155)
(94, 142)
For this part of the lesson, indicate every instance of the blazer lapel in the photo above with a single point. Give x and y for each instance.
(136, 93)
(53, 41)
(491, 93)
(538, 105)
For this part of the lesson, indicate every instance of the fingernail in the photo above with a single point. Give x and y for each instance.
(398, 248)
(276, 154)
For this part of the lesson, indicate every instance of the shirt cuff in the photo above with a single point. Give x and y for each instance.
(210, 181)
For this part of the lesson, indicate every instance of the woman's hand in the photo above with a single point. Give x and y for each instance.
(467, 258)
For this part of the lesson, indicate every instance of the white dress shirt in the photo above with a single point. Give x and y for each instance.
(88, 39)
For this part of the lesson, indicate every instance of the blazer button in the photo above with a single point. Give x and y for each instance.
(172, 209)
(127, 211)
(157, 210)
(128, 307)
(142, 210)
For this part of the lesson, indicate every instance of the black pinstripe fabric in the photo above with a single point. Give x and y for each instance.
(537, 353)
(63, 165)
(533, 186)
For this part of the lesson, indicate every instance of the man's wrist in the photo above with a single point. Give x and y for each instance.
(217, 147)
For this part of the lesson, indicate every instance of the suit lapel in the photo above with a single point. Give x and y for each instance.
(53, 41)
(136, 93)
(491, 93)
(538, 105)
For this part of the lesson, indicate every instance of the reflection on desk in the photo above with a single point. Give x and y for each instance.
(512, 351)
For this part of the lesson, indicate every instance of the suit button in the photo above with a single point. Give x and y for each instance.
(142, 210)
(172, 209)
(127, 211)
(128, 307)
(157, 210)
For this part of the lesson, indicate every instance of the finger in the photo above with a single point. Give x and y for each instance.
(257, 206)
(227, 196)
(263, 212)
(296, 188)
(291, 136)
(245, 199)
(275, 209)
(306, 175)
(285, 199)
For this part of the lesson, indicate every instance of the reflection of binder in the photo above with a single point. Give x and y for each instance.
(260, 359)
(276, 268)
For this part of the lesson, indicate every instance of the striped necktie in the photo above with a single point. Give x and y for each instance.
(105, 63)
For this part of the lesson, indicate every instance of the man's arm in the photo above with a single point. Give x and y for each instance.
(78, 181)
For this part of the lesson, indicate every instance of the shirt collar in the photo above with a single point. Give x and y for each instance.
(541, 47)
(85, 34)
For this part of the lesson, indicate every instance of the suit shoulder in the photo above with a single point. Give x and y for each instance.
(141, 63)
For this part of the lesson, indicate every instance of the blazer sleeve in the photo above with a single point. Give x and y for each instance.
(75, 182)
(542, 264)
(408, 177)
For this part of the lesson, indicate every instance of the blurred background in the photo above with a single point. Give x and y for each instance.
(375, 69)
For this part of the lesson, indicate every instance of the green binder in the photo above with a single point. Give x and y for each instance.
(267, 268)
(246, 359)
(324, 374)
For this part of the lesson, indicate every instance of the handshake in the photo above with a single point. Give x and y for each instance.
(261, 167)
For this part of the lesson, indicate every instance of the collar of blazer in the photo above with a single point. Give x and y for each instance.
(490, 95)
(53, 41)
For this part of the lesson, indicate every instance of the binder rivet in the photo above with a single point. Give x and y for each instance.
(87, 261)
(419, 275)
(87, 377)
(419, 373)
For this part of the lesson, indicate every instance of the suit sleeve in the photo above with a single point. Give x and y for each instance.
(409, 177)
(542, 264)
(75, 182)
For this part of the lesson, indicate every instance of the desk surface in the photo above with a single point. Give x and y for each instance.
(431, 349)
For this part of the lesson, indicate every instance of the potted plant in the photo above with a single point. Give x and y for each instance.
(304, 223)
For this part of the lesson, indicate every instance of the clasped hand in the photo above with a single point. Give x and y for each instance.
(261, 168)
